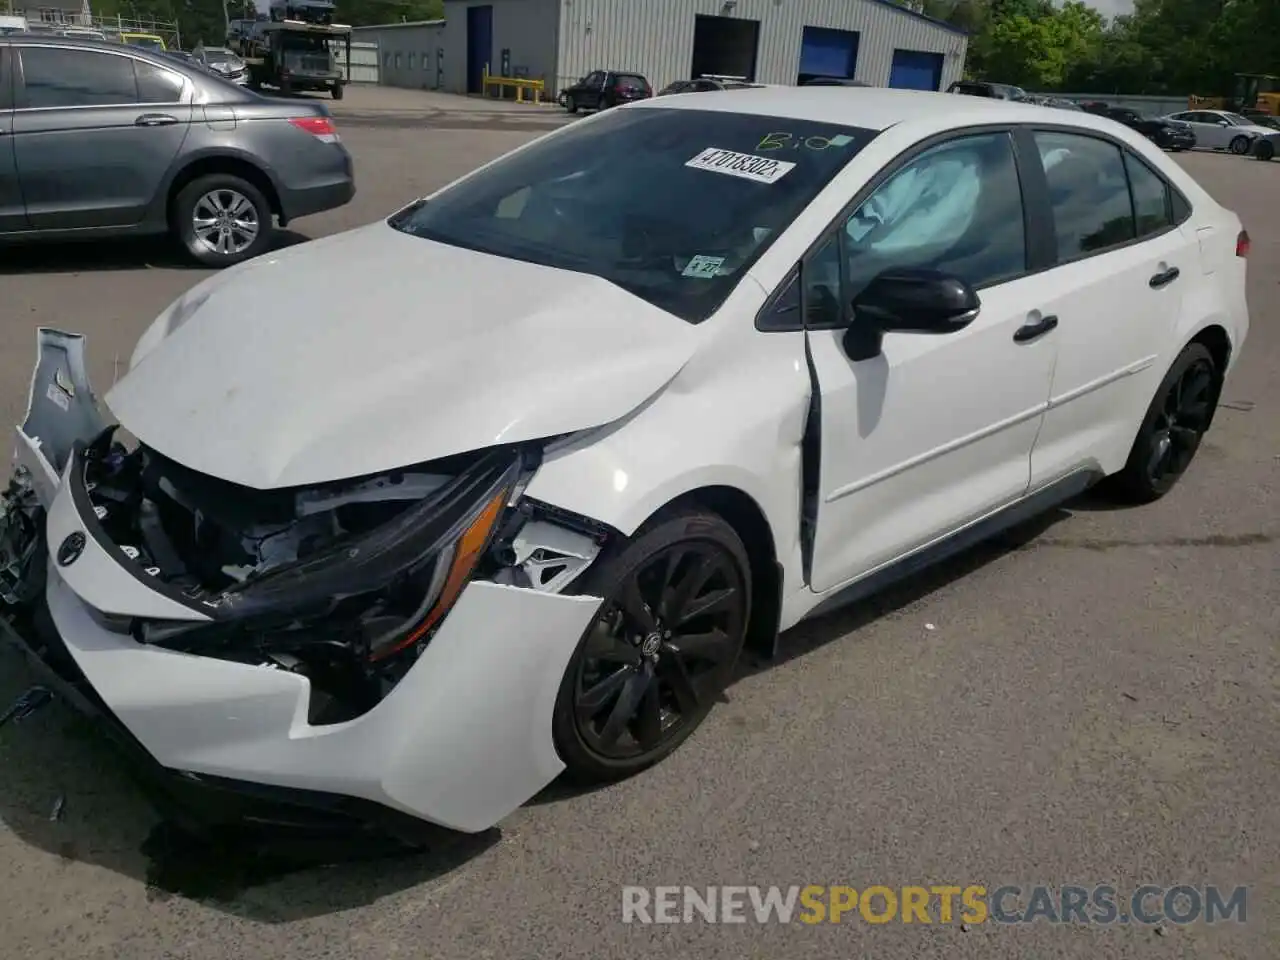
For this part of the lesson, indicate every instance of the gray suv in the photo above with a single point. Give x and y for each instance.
(99, 139)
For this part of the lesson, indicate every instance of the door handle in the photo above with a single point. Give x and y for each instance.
(1164, 279)
(155, 120)
(1034, 328)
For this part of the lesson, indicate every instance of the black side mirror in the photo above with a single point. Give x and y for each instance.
(908, 300)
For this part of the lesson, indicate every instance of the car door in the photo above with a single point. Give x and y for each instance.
(588, 90)
(13, 212)
(1122, 267)
(935, 431)
(94, 134)
(1211, 130)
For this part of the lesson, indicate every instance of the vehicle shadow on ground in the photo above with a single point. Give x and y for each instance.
(812, 635)
(65, 792)
(156, 253)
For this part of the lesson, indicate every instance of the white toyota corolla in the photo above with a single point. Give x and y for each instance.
(413, 518)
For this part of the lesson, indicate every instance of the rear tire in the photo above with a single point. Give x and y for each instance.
(661, 649)
(1171, 431)
(1240, 146)
(211, 217)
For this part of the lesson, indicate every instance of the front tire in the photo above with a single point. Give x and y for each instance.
(1240, 145)
(661, 650)
(571, 104)
(1172, 430)
(337, 91)
(1265, 150)
(222, 220)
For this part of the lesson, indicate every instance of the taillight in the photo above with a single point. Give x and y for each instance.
(321, 128)
(1242, 244)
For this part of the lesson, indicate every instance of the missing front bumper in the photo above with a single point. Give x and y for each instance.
(460, 741)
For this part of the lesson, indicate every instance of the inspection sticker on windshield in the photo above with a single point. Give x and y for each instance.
(700, 266)
(745, 165)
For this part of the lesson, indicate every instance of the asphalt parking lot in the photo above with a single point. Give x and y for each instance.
(1093, 700)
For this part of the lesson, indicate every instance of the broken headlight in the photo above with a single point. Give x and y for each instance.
(364, 597)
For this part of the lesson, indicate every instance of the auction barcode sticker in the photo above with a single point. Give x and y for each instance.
(745, 165)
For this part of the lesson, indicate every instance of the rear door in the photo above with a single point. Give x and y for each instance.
(94, 134)
(13, 214)
(1209, 130)
(1123, 265)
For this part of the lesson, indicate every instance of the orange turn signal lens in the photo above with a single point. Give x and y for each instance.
(467, 553)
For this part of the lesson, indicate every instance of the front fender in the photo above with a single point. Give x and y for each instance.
(734, 417)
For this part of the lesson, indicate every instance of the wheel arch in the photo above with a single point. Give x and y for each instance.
(227, 163)
(1217, 341)
(748, 520)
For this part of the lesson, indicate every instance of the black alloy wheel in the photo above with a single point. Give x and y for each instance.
(661, 650)
(1175, 424)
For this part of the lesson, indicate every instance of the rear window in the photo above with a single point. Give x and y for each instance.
(671, 205)
(630, 81)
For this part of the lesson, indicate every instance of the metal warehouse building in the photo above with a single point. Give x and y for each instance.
(768, 41)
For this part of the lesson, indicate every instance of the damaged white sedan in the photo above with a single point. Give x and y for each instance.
(403, 523)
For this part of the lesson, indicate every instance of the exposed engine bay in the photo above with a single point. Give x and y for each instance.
(344, 583)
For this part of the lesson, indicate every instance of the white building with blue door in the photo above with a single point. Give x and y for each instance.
(768, 41)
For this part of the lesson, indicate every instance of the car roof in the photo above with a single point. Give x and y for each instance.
(874, 108)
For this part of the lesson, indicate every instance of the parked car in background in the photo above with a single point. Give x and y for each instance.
(984, 88)
(1164, 132)
(182, 56)
(216, 177)
(1224, 130)
(222, 62)
(705, 85)
(601, 89)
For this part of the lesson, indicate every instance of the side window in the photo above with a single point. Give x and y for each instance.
(783, 311)
(957, 208)
(1151, 207)
(76, 78)
(6, 87)
(157, 85)
(821, 299)
(1089, 192)
(594, 79)
(1181, 209)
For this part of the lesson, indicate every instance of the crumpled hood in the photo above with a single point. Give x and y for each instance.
(373, 350)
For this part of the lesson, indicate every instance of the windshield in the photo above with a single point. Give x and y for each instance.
(671, 205)
(219, 56)
(1238, 121)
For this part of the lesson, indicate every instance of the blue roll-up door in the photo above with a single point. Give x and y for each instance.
(828, 53)
(916, 70)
